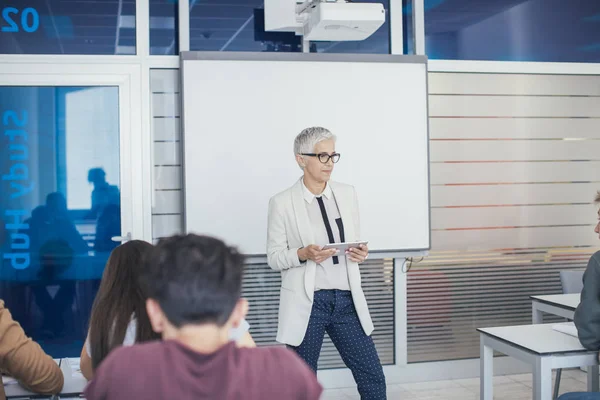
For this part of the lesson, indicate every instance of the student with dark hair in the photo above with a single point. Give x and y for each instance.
(193, 284)
(119, 313)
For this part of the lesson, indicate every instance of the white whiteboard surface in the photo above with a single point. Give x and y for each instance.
(241, 113)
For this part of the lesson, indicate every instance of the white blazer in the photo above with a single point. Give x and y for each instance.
(289, 228)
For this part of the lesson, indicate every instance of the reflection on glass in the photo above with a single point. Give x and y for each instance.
(67, 27)
(408, 32)
(59, 206)
(513, 30)
(224, 26)
(239, 26)
(164, 36)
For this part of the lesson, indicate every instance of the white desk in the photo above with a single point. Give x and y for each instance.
(73, 386)
(75, 382)
(541, 347)
(563, 305)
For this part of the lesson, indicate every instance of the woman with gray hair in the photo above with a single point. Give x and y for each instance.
(321, 289)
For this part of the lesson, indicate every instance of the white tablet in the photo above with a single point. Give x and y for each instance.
(343, 246)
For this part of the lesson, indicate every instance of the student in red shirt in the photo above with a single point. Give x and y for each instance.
(193, 284)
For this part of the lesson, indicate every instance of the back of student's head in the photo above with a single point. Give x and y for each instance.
(195, 279)
(119, 298)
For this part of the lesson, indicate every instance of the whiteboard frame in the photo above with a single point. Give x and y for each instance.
(188, 56)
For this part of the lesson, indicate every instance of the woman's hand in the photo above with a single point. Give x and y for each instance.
(85, 363)
(315, 253)
(358, 254)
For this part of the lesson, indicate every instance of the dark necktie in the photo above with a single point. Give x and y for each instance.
(327, 225)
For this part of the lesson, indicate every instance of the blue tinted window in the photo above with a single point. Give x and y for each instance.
(59, 206)
(408, 33)
(164, 38)
(235, 26)
(513, 30)
(239, 26)
(67, 27)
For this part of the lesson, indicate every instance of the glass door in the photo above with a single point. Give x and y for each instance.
(65, 199)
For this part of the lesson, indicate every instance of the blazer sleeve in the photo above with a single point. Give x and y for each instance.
(24, 360)
(587, 314)
(279, 255)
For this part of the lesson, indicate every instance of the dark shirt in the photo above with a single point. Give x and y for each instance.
(170, 370)
(587, 314)
(104, 195)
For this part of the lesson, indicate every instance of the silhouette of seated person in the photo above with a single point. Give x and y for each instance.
(107, 227)
(51, 222)
(56, 240)
(103, 195)
(58, 225)
(52, 295)
(39, 228)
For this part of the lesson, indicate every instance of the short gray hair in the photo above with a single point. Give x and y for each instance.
(306, 140)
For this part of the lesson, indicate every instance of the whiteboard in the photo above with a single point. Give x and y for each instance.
(242, 111)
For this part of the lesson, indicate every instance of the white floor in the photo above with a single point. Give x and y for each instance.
(513, 387)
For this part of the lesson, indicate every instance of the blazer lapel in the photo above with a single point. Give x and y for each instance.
(306, 236)
(344, 202)
(304, 227)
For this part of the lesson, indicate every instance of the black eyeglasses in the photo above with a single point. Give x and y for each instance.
(324, 157)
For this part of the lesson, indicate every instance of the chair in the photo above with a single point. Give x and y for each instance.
(571, 282)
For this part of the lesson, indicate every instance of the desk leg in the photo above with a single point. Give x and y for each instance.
(542, 379)
(592, 378)
(537, 317)
(486, 372)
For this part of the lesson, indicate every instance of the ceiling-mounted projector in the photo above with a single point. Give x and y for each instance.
(342, 21)
(324, 20)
